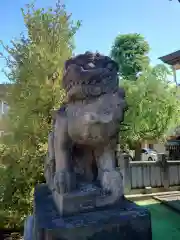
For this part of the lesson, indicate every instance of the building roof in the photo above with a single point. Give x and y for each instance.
(172, 58)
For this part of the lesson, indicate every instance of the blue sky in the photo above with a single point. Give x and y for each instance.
(103, 20)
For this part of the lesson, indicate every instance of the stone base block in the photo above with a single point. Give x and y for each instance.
(88, 197)
(81, 200)
(125, 220)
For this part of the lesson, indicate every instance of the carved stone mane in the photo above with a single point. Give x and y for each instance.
(90, 75)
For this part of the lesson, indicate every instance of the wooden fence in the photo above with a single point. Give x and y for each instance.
(143, 175)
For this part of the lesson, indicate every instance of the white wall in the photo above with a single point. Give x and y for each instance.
(159, 147)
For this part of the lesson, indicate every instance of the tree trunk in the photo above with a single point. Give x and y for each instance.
(137, 156)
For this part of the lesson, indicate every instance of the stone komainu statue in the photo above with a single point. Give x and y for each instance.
(82, 143)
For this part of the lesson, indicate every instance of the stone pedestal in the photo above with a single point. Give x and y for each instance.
(80, 200)
(125, 220)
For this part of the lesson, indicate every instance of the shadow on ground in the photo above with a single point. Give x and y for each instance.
(165, 221)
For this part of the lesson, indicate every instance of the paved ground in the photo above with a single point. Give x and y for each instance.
(171, 200)
(165, 222)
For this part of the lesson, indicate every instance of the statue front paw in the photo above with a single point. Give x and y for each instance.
(112, 181)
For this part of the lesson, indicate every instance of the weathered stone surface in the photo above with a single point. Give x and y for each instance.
(125, 221)
(89, 122)
(98, 118)
(80, 200)
(90, 75)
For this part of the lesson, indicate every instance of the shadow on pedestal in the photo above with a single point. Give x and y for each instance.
(125, 220)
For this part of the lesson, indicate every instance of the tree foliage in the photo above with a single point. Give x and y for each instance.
(153, 102)
(154, 107)
(130, 52)
(161, 72)
(35, 63)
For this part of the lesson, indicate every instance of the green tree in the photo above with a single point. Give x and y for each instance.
(35, 66)
(161, 72)
(153, 108)
(130, 52)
